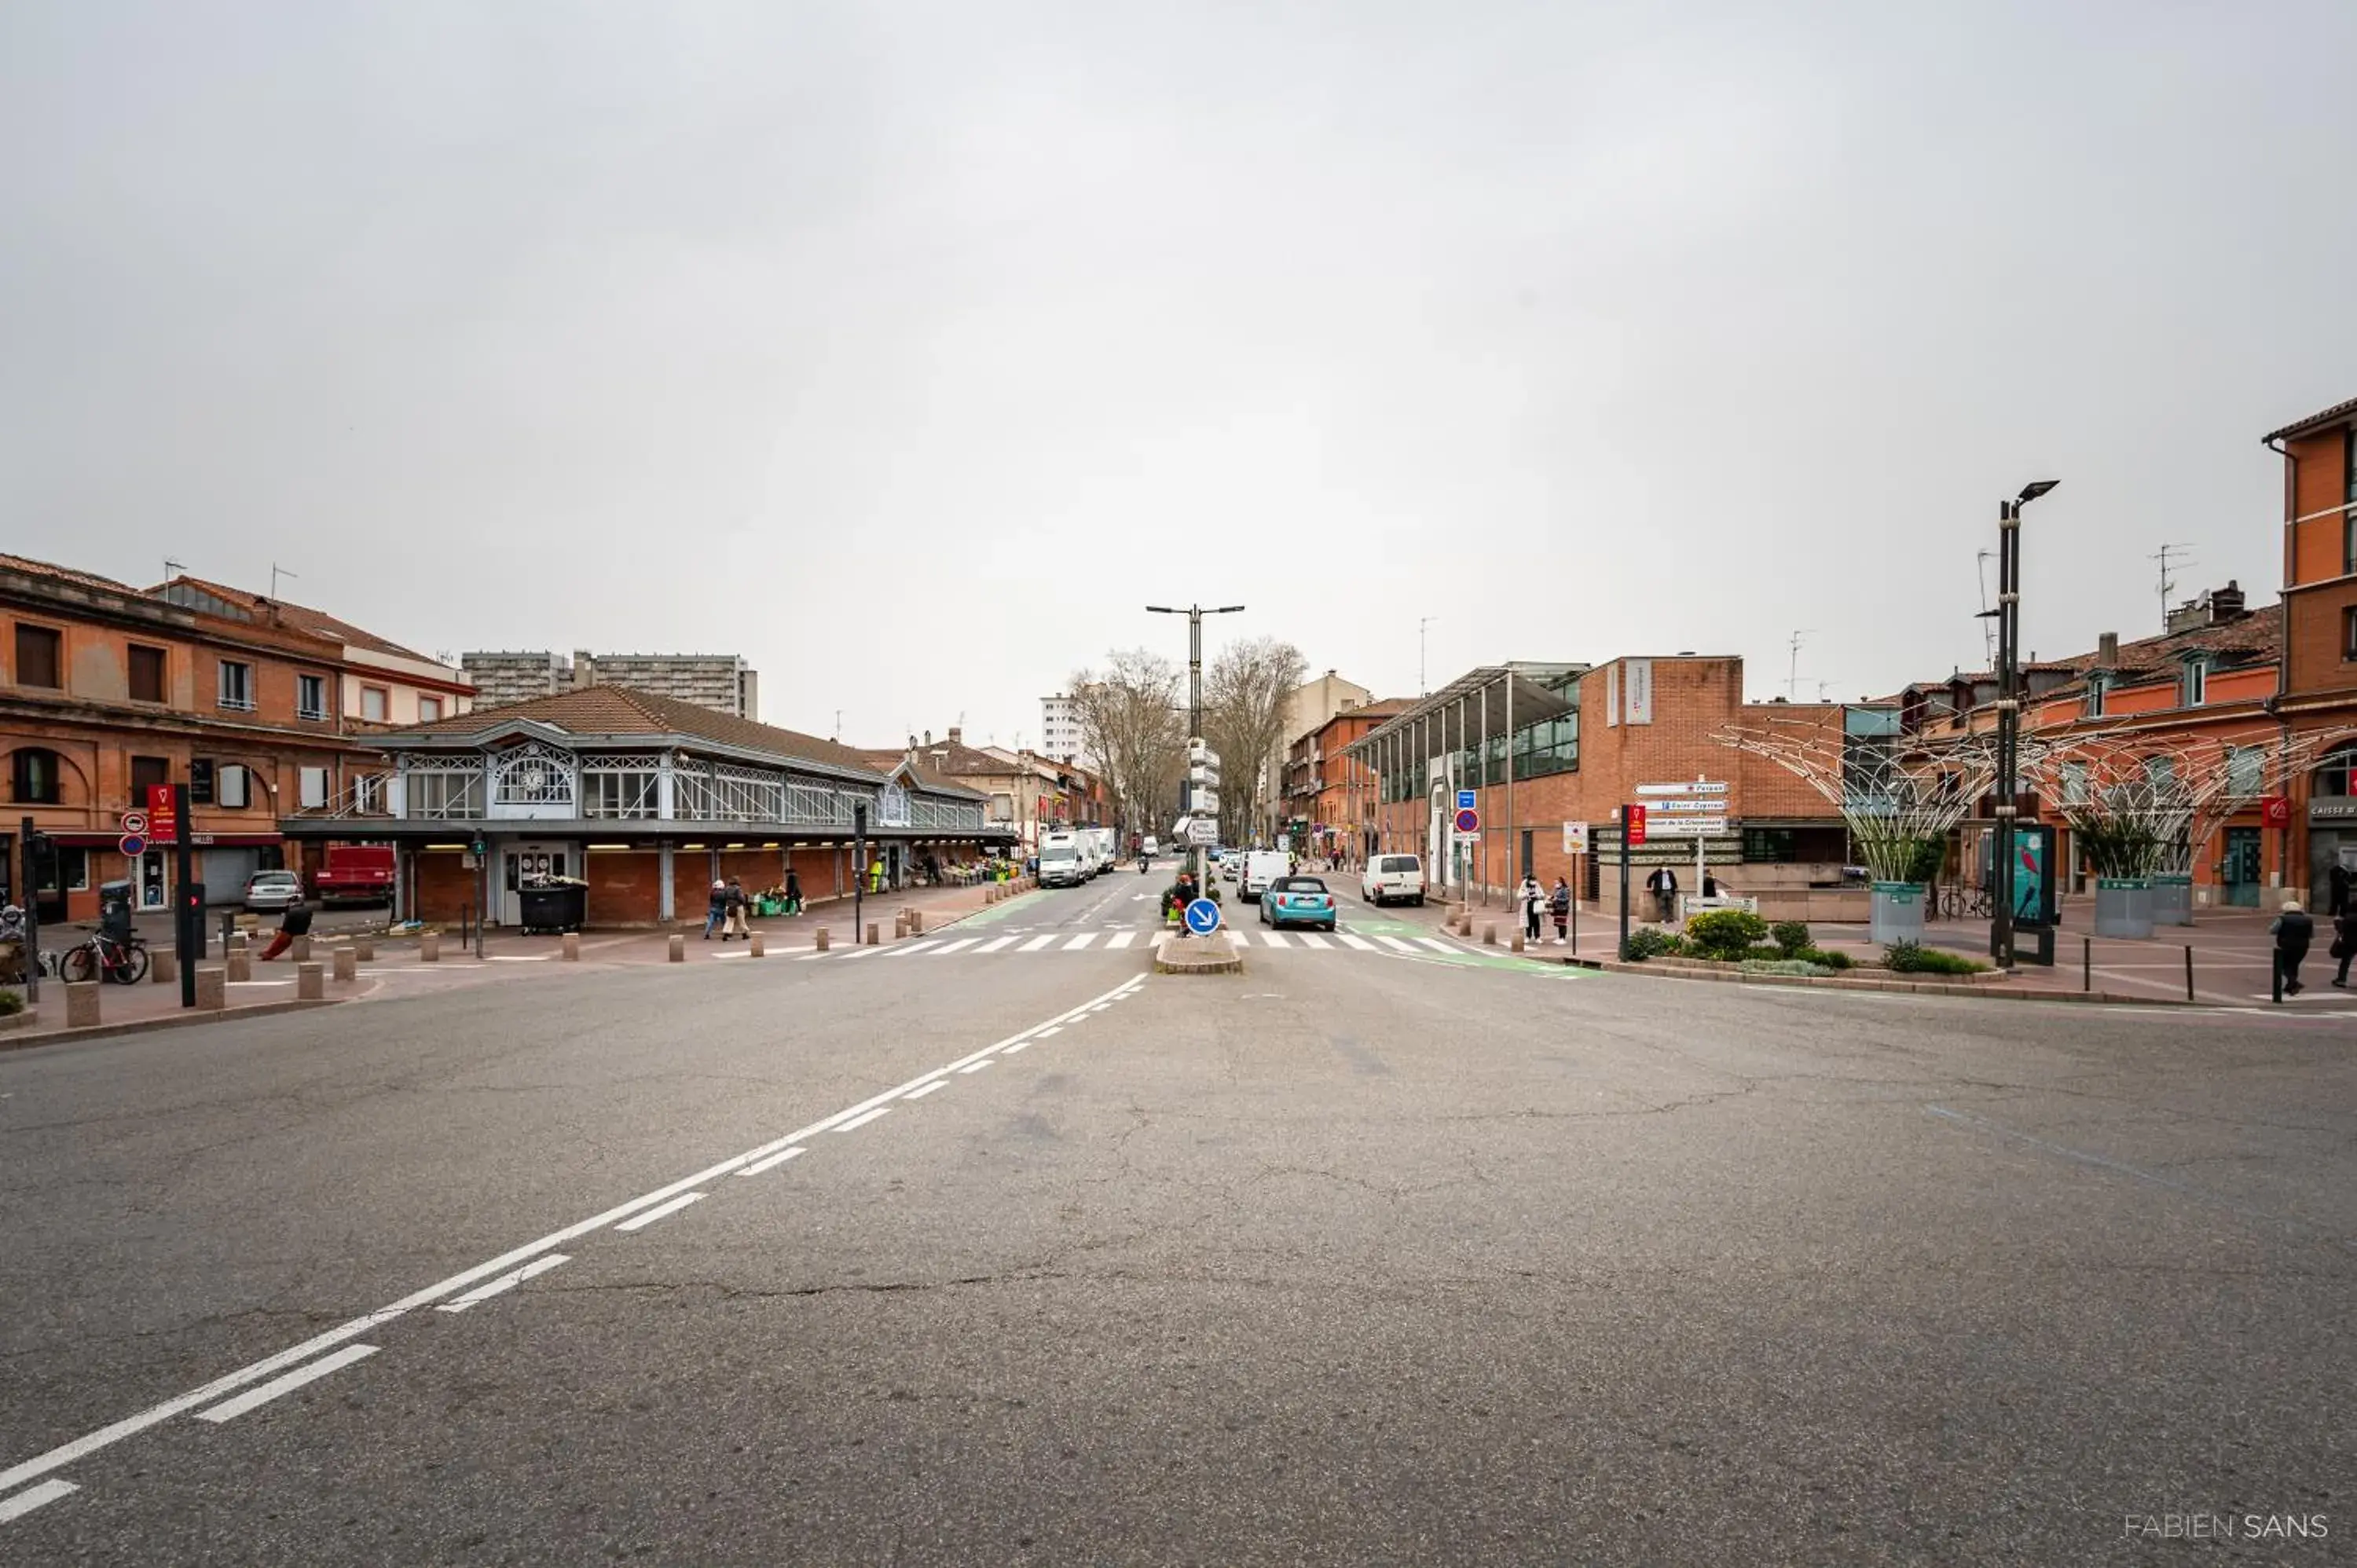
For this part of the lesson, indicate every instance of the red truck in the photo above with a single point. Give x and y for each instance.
(355, 874)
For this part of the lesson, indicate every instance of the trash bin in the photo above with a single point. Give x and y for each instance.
(556, 906)
(114, 910)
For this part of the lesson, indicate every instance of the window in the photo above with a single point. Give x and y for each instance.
(2333, 774)
(428, 709)
(33, 776)
(2246, 771)
(147, 773)
(315, 787)
(368, 794)
(2348, 496)
(2197, 682)
(2349, 635)
(73, 868)
(310, 696)
(234, 785)
(38, 656)
(236, 686)
(146, 674)
(2096, 686)
(373, 704)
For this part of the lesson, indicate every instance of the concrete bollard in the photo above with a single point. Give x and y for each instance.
(1489, 934)
(82, 1003)
(165, 967)
(429, 948)
(364, 949)
(1518, 941)
(874, 939)
(241, 968)
(678, 953)
(757, 946)
(236, 944)
(569, 947)
(915, 922)
(348, 965)
(301, 949)
(310, 983)
(821, 939)
(212, 992)
(899, 924)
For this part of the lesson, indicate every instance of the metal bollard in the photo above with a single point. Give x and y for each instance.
(164, 969)
(678, 953)
(757, 946)
(364, 949)
(82, 1003)
(213, 991)
(873, 941)
(310, 983)
(429, 948)
(2274, 969)
(821, 939)
(2086, 963)
(348, 965)
(241, 968)
(2188, 971)
(569, 947)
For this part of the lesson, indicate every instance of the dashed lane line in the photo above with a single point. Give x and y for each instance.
(254, 1399)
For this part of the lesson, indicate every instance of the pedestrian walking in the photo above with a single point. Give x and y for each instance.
(737, 903)
(295, 921)
(1663, 885)
(2293, 929)
(2337, 882)
(1533, 900)
(1559, 905)
(2344, 944)
(716, 911)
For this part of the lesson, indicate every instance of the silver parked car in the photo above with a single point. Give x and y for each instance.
(273, 890)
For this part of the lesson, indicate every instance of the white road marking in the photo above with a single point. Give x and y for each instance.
(1044, 1033)
(1312, 940)
(25, 1501)
(948, 947)
(1036, 943)
(259, 983)
(920, 1093)
(864, 951)
(1361, 944)
(773, 1162)
(1437, 945)
(504, 1283)
(994, 946)
(910, 949)
(535, 957)
(1275, 939)
(1121, 938)
(131, 1425)
(659, 1212)
(805, 958)
(1396, 942)
(253, 1399)
(1077, 943)
(862, 1120)
(975, 1067)
(1015, 1048)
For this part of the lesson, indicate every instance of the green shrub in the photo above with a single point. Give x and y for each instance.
(1725, 933)
(1836, 960)
(1650, 941)
(11, 1002)
(1791, 936)
(1913, 958)
(1782, 966)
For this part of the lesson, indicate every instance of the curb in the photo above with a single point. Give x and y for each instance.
(168, 1021)
(1982, 990)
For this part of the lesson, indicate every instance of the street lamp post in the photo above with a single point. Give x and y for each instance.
(1194, 614)
(2008, 712)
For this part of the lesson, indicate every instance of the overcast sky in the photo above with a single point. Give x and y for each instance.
(908, 350)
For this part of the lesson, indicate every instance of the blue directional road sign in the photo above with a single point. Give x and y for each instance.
(1465, 801)
(1202, 917)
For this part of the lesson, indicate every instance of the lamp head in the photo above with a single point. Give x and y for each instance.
(2036, 487)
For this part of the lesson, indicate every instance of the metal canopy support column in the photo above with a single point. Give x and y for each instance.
(1514, 840)
(1482, 782)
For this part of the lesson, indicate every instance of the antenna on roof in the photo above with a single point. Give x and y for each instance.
(2183, 556)
(276, 572)
(1793, 677)
(1988, 622)
(173, 568)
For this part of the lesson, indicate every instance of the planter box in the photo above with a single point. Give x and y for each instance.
(2123, 907)
(1897, 912)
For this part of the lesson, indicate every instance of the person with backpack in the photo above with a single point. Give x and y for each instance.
(716, 911)
(1559, 905)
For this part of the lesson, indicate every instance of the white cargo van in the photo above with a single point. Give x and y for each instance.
(1061, 862)
(1262, 866)
(1390, 876)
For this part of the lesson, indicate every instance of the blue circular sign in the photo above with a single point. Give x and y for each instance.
(1202, 917)
(131, 846)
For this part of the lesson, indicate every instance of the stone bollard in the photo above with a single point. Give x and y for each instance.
(166, 967)
(873, 938)
(1489, 934)
(241, 968)
(757, 946)
(236, 943)
(915, 922)
(899, 924)
(429, 948)
(212, 992)
(364, 949)
(310, 983)
(678, 953)
(82, 1003)
(1518, 941)
(821, 939)
(569, 947)
(348, 965)
(301, 949)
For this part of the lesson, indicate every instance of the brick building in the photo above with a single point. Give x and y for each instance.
(383, 684)
(1543, 745)
(720, 681)
(646, 797)
(106, 689)
(1322, 781)
(2318, 690)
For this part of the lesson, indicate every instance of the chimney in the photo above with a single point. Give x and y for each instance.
(957, 734)
(2226, 603)
(2107, 649)
(584, 669)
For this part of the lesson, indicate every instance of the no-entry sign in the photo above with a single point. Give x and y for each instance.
(1469, 821)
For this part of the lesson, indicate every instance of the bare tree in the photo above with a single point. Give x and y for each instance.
(1133, 732)
(1245, 693)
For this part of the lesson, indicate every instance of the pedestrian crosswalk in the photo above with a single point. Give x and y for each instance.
(1138, 940)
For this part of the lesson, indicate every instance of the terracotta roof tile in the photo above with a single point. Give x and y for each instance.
(302, 617)
(926, 777)
(33, 568)
(623, 710)
(2333, 415)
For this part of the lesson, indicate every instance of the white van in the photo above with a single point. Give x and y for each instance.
(1148, 847)
(1262, 866)
(1061, 862)
(1390, 876)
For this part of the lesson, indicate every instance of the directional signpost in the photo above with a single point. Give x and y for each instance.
(1697, 811)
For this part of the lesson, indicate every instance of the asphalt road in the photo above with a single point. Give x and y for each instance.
(1355, 1258)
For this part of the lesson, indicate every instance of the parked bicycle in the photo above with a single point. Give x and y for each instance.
(1967, 903)
(120, 960)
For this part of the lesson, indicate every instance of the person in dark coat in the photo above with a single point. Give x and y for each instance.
(2336, 882)
(715, 913)
(2293, 929)
(295, 921)
(2344, 944)
(794, 892)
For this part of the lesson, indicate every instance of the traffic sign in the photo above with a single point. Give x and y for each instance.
(134, 822)
(1465, 800)
(132, 845)
(1204, 831)
(1705, 805)
(1688, 827)
(1575, 838)
(1695, 787)
(1469, 821)
(1632, 826)
(1202, 917)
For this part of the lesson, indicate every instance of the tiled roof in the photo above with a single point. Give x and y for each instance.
(302, 617)
(1383, 708)
(623, 710)
(923, 772)
(2333, 415)
(2258, 634)
(33, 568)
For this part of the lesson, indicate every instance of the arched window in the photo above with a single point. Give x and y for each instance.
(34, 775)
(2333, 774)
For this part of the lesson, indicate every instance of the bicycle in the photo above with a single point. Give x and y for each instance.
(123, 961)
(1967, 903)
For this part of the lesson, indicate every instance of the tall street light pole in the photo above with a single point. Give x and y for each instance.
(2008, 712)
(1194, 614)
